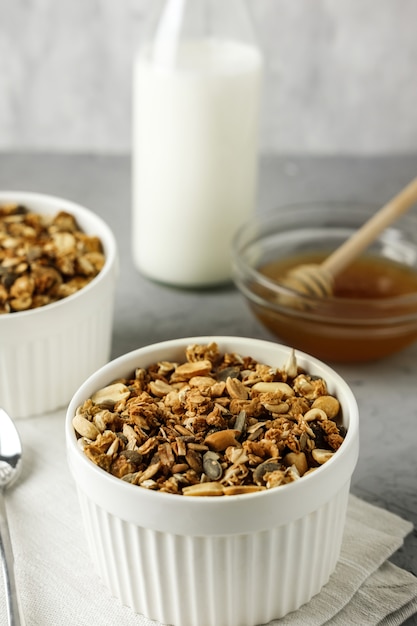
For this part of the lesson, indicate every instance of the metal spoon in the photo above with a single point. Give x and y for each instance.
(10, 465)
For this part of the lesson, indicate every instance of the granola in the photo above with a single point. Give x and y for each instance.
(43, 258)
(216, 424)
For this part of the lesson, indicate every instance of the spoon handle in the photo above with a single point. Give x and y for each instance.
(353, 246)
(14, 613)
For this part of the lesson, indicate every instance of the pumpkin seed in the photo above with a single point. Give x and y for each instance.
(211, 465)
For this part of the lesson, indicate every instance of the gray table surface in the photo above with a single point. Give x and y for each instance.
(386, 474)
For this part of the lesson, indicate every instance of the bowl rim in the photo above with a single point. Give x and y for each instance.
(243, 272)
(106, 237)
(84, 470)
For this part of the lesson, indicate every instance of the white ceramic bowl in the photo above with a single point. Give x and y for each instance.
(46, 353)
(235, 560)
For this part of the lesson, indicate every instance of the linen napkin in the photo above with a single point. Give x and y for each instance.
(365, 588)
(58, 586)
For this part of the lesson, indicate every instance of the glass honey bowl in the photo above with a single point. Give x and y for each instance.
(373, 310)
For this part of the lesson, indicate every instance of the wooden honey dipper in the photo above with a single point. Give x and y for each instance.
(317, 280)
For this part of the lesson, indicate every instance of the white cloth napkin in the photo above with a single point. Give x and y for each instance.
(58, 586)
(365, 588)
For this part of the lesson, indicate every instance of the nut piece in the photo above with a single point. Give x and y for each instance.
(222, 439)
(234, 490)
(314, 414)
(108, 396)
(236, 389)
(298, 459)
(197, 368)
(329, 404)
(321, 456)
(204, 489)
(274, 387)
(85, 428)
(159, 388)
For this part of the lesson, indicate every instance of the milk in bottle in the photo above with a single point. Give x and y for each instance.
(195, 146)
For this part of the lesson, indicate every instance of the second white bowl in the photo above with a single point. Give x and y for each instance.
(46, 353)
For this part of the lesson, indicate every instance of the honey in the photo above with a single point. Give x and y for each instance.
(368, 277)
(358, 323)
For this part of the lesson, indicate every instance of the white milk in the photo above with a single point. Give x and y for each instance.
(194, 160)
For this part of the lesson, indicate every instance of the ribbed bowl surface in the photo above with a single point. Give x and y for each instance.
(232, 580)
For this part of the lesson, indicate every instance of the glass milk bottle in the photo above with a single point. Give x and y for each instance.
(196, 101)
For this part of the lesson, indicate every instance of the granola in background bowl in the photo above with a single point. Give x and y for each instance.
(43, 258)
(57, 281)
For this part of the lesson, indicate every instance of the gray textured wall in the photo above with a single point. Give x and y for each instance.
(341, 74)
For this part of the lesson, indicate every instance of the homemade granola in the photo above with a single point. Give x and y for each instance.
(43, 258)
(216, 424)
